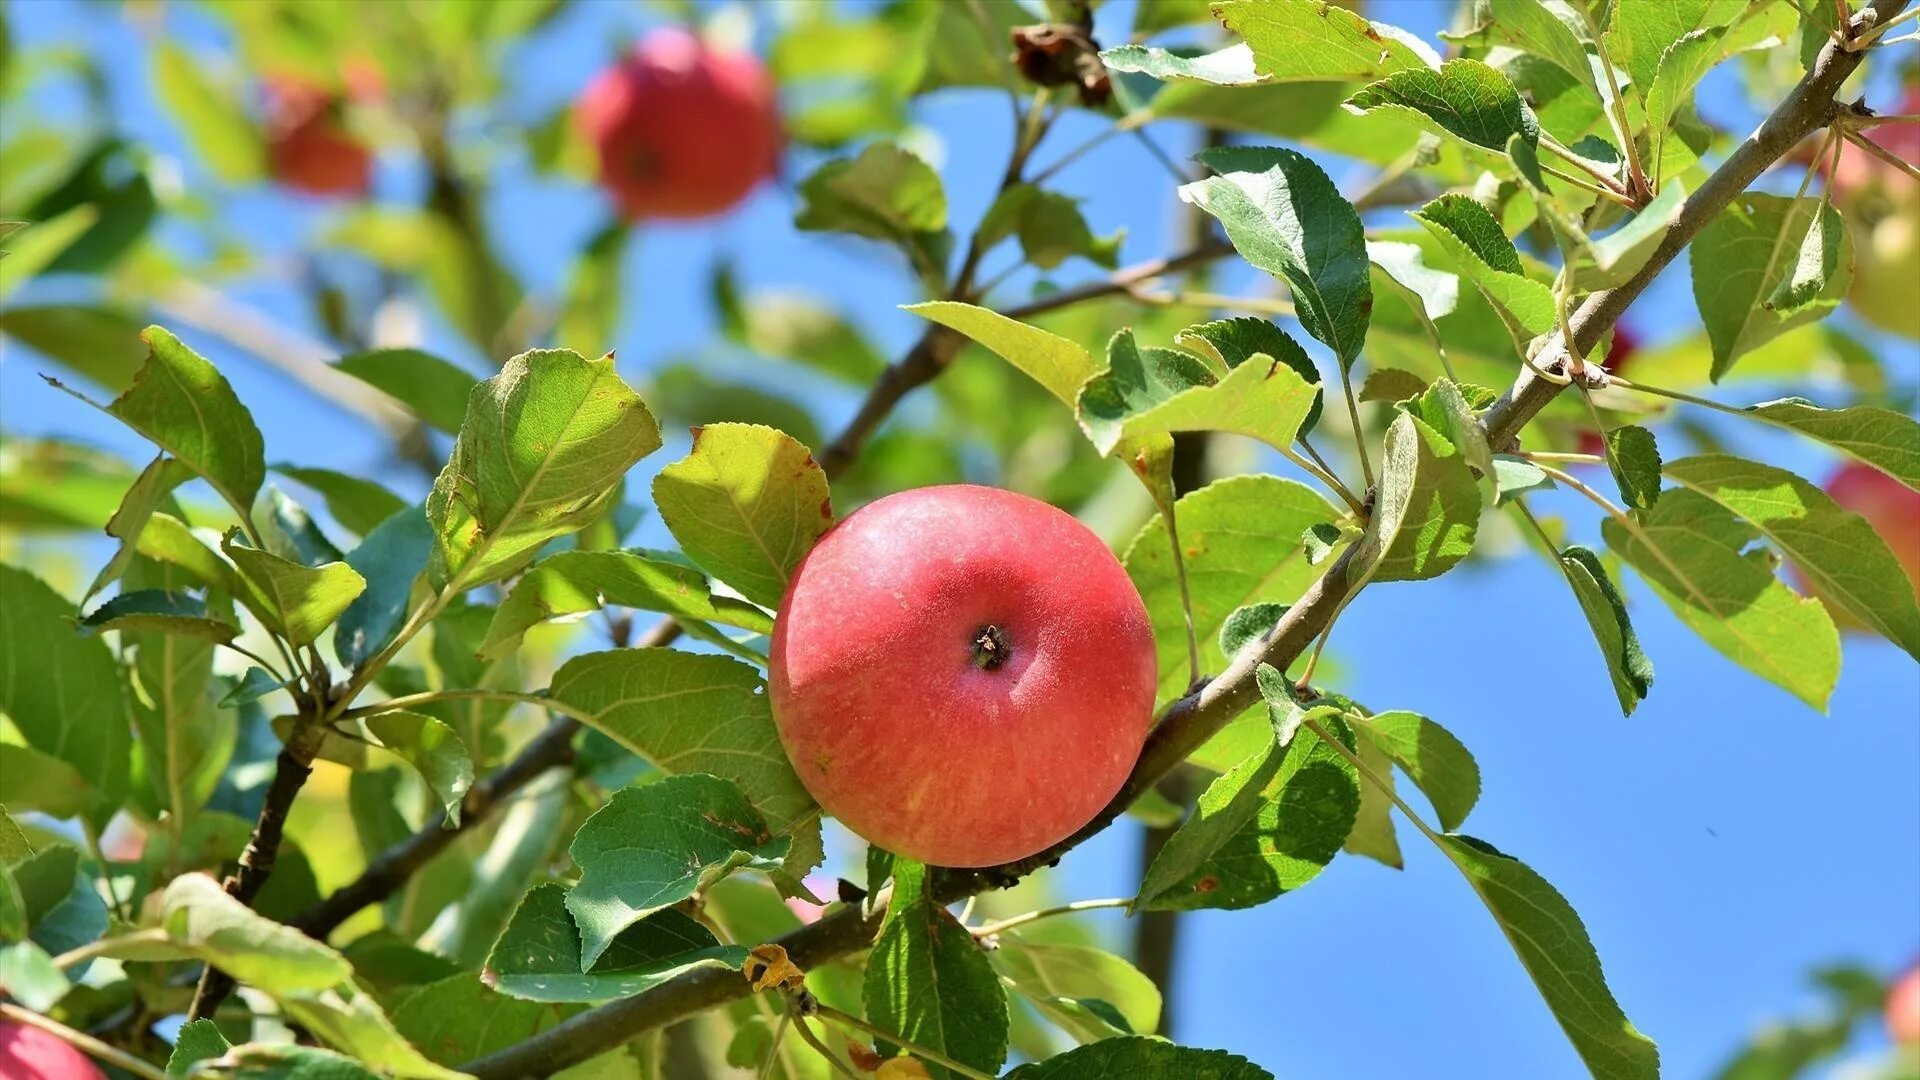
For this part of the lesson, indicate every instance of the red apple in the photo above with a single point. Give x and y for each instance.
(28, 1053)
(1903, 1007)
(682, 130)
(308, 148)
(962, 675)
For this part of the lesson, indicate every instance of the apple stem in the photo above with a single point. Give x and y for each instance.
(991, 648)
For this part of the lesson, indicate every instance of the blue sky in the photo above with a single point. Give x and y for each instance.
(1719, 843)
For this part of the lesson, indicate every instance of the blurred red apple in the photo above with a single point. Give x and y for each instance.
(308, 148)
(962, 675)
(28, 1053)
(1903, 1007)
(682, 130)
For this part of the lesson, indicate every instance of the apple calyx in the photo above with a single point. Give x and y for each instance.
(991, 648)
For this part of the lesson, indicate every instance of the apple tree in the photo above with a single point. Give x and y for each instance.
(442, 772)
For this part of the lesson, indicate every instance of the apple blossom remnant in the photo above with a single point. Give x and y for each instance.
(962, 675)
(682, 129)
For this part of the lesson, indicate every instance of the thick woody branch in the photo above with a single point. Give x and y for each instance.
(1192, 720)
(936, 348)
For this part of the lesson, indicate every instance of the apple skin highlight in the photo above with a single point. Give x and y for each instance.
(924, 733)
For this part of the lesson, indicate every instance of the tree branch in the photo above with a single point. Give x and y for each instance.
(1192, 720)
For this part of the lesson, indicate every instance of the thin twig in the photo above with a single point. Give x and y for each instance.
(1022, 919)
(807, 1036)
(1881, 152)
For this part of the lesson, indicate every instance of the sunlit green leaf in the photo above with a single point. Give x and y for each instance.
(1439, 765)
(931, 983)
(1606, 611)
(295, 601)
(746, 504)
(1695, 555)
(543, 448)
(569, 582)
(1301, 39)
(1747, 253)
(1427, 513)
(1081, 989)
(60, 688)
(434, 389)
(538, 956)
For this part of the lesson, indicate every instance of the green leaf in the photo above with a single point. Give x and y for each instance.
(1392, 385)
(1430, 292)
(1229, 342)
(210, 115)
(1242, 536)
(37, 246)
(62, 905)
(1247, 624)
(168, 540)
(1887, 440)
(286, 1061)
(1622, 253)
(287, 530)
(1231, 66)
(185, 742)
(1469, 233)
(1059, 364)
(1634, 460)
(1139, 1057)
(1535, 28)
(460, 1019)
(295, 601)
(1311, 41)
(1373, 834)
(1515, 476)
(159, 611)
(61, 689)
(1135, 381)
(1436, 762)
(569, 582)
(1845, 560)
(356, 503)
(34, 781)
(1443, 407)
(1681, 65)
(1745, 255)
(147, 494)
(886, 193)
(14, 844)
(253, 686)
(651, 846)
(538, 956)
(1695, 555)
(1285, 216)
(1814, 263)
(201, 918)
(931, 983)
(310, 980)
(1464, 99)
(1606, 612)
(1263, 398)
(391, 557)
(435, 390)
(542, 451)
(1640, 31)
(1263, 829)
(100, 344)
(1428, 510)
(746, 504)
(1050, 228)
(198, 1041)
(1081, 989)
(1552, 943)
(186, 408)
(434, 751)
(528, 837)
(29, 976)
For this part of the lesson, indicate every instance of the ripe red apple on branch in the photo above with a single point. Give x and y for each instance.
(308, 147)
(962, 675)
(682, 129)
(28, 1053)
